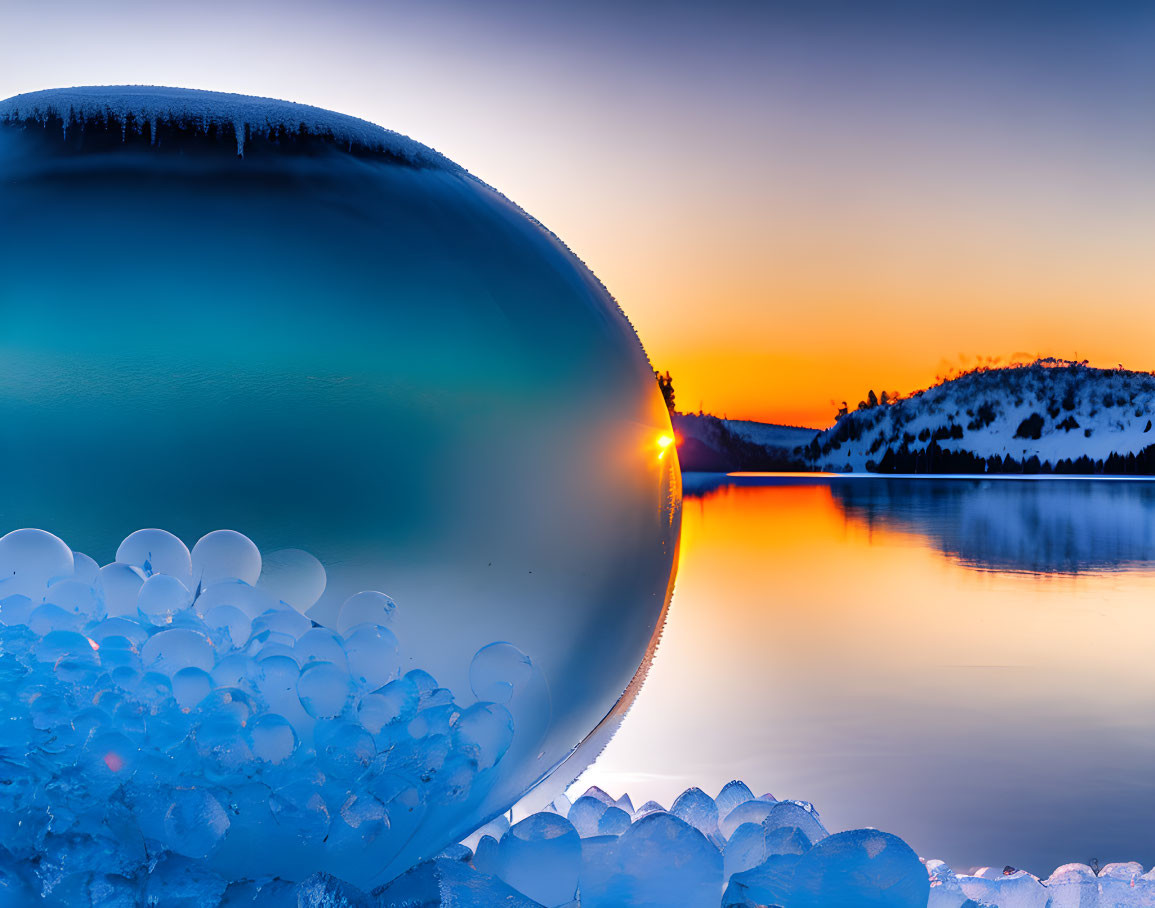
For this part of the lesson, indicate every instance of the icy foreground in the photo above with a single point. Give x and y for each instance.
(172, 722)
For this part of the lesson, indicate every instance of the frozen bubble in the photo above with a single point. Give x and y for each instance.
(250, 600)
(70, 654)
(732, 794)
(320, 645)
(293, 577)
(286, 623)
(786, 840)
(614, 821)
(660, 861)
(225, 555)
(232, 671)
(194, 822)
(366, 607)
(84, 568)
(273, 738)
(161, 597)
(190, 686)
(230, 626)
(120, 584)
(344, 749)
(396, 700)
(698, 809)
(868, 868)
(498, 671)
(585, 814)
(30, 560)
(156, 552)
(324, 688)
(170, 651)
(77, 597)
(484, 733)
(541, 858)
(373, 658)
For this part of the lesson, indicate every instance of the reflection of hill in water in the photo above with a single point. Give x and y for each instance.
(1045, 526)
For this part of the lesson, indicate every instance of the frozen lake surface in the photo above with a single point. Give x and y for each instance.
(966, 663)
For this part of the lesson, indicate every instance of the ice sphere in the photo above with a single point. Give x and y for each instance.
(121, 585)
(453, 362)
(732, 794)
(366, 607)
(76, 596)
(372, 654)
(170, 651)
(698, 809)
(30, 560)
(324, 688)
(541, 857)
(225, 555)
(232, 625)
(861, 868)
(294, 577)
(660, 861)
(273, 738)
(156, 552)
(84, 568)
(161, 596)
(190, 686)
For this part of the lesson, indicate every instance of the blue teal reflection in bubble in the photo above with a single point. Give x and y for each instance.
(334, 350)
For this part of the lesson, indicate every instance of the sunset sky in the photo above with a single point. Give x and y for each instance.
(792, 201)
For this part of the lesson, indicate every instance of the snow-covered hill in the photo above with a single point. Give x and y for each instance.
(1068, 416)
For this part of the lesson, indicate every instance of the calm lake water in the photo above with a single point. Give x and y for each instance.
(967, 663)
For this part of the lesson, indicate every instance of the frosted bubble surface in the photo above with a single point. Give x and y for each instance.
(225, 555)
(373, 656)
(120, 584)
(30, 560)
(295, 578)
(156, 552)
(171, 650)
(324, 689)
(194, 822)
(161, 597)
(366, 607)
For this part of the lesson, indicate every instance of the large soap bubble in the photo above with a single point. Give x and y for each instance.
(222, 311)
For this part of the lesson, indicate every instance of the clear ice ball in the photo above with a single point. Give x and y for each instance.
(227, 312)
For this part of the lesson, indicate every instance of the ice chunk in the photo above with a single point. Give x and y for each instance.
(1124, 884)
(541, 858)
(698, 809)
(786, 840)
(161, 597)
(451, 884)
(225, 555)
(498, 671)
(660, 861)
(747, 812)
(769, 883)
(796, 814)
(732, 794)
(598, 867)
(614, 821)
(745, 849)
(495, 829)
(323, 890)
(483, 733)
(30, 560)
(594, 792)
(1017, 889)
(294, 577)
(866, 867)
(586, 813)
(177, 882)
(1069, 886)
(366, 607)
(156, 552)
(320, 645)
(648, 808)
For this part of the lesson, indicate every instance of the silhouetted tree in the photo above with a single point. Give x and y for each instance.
(666, 386)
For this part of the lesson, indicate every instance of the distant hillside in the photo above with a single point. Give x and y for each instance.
(712, 445)
(1050, 416)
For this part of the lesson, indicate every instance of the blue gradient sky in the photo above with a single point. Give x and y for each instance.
(792, 201)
